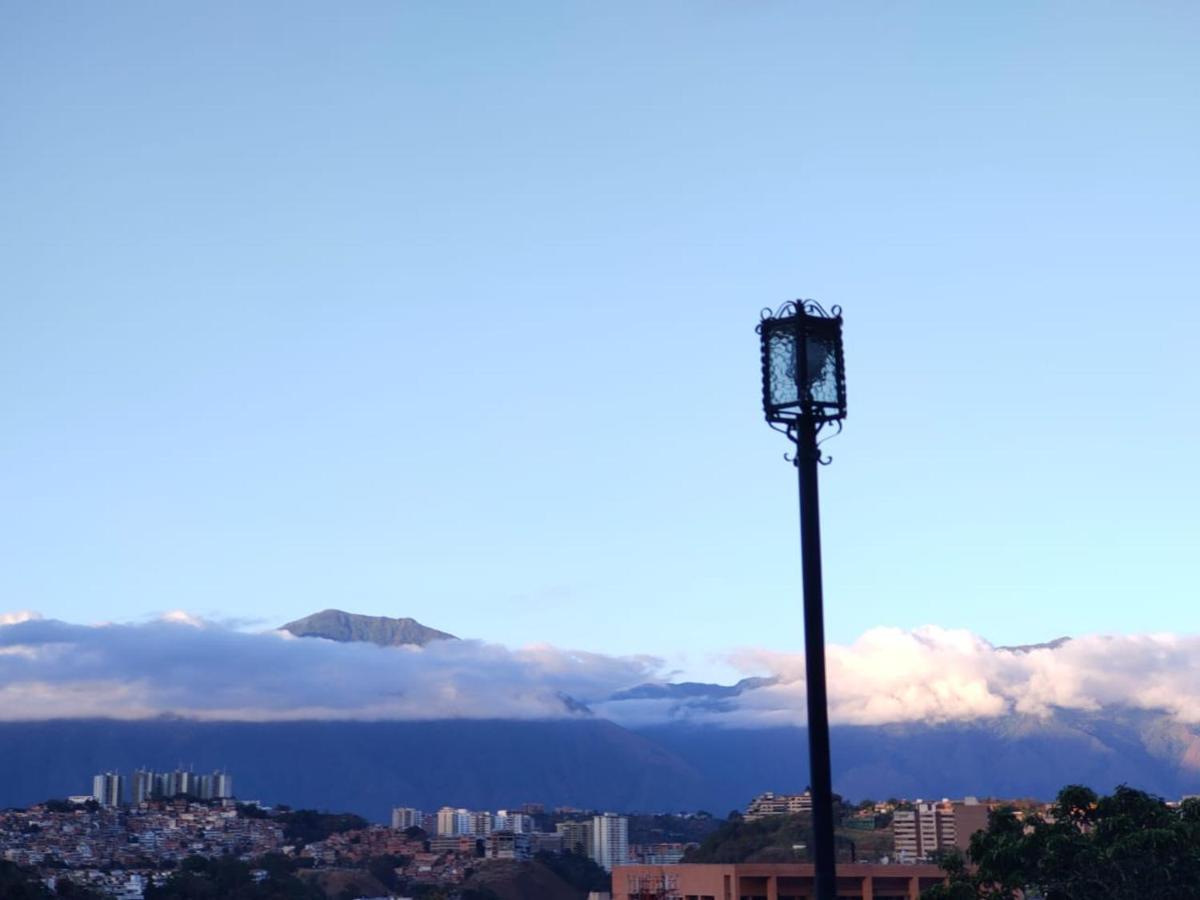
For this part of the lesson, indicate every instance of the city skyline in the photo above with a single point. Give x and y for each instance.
(458, 324)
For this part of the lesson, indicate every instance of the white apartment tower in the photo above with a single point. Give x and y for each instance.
(149, 785)
(143, 786)
(108, 789)
(407, 817)
(610, 841)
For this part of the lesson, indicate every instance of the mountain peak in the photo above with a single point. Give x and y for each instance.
(336, 625)
(1046, 645)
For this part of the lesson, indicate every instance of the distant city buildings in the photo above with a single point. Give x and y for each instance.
(452, 822)
(160, 831)
(108, 789)
(511, 834)
(772, 804)
(90, 841)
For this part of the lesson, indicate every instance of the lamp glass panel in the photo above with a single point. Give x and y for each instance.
(781, 367)
(822, 375)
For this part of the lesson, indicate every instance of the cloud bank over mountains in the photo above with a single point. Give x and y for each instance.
(181, 665)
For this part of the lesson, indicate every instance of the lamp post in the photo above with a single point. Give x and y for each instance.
(804, 390)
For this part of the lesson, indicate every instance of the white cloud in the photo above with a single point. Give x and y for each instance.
(20, 615)
(933, 674)
(182, 617)
(182, 665)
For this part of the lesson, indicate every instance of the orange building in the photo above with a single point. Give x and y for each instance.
(769, 881)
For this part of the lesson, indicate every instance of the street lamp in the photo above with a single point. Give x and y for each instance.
(804, 390)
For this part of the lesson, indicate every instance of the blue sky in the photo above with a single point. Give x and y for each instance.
(447, 310)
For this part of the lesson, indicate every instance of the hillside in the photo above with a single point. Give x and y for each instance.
(368, 767)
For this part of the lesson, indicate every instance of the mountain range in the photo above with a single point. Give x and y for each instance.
(587, 760)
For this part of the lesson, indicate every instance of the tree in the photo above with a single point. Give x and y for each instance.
(228, 878)
(20, 883)
(1127, 846)
(307, 826)
(384, 868)
(577, 870)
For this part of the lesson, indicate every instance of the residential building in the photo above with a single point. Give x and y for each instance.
(970, 816)
(480, 823)
(576, 836)
(513, 821)
(610, 840)
(509, 845)
(149, 785)
(143, 786)
(407, 817)
(772, 804)
(108, 789)
(906, 842)
(662, 854)
(930, 828)
(545, 842)
(451, 821)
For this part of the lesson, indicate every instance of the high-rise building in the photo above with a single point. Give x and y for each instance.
(149, 785)
(905, 840)
(508, 845)
(970, 816)
(447, 821)
(576, 836)
(929, 828)
(451, 821)
(520, 823)
(480, 823)
(108, 789)
(610, 840)
(143, 786)
(407, 817)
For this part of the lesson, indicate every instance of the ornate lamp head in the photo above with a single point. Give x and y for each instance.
(803, 367)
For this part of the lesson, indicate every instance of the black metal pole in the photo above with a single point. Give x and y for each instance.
(807, 456)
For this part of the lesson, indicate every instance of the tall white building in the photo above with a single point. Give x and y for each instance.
(407, 817)
(610, 840)
(108, 789)
(222, 785)
(149, 785)
(143, 786)
(452, 822)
